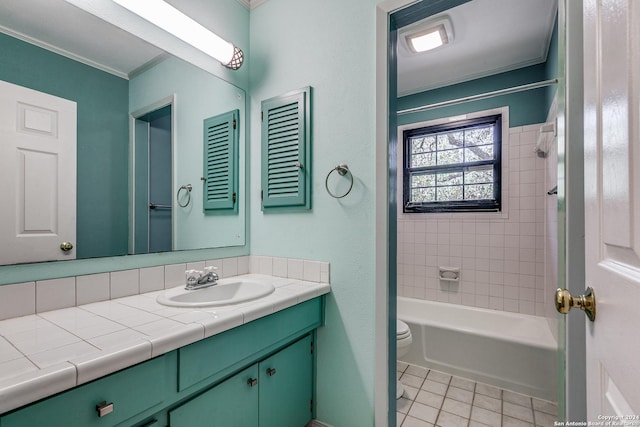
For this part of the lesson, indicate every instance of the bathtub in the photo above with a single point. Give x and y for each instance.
(508, 350)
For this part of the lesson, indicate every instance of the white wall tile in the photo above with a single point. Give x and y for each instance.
(174, 275)
(17, 300)
(92, 288)
(125, 283)
(311, 271)
(55, 293)
(295, 268)
(280, 267)
(151, 279)
(499, 257)
(230, 267)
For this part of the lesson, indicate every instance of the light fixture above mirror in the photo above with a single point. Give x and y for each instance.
(170, 19)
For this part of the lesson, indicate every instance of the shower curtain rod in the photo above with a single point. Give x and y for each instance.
(479, 96)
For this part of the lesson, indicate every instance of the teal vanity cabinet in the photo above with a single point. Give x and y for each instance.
(129, 392)
(275, 392)
(259, 374)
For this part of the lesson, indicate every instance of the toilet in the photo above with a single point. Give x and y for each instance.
(403, 344)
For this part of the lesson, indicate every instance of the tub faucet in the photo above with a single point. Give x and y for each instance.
(198, 279)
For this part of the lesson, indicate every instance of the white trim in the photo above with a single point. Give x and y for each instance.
(62, 52)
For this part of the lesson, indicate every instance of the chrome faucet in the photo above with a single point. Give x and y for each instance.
(198, 279)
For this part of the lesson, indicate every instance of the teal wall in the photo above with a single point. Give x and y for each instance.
(525, 108)
(103, 138)
(199, 95)
(551, 66)
(329, 45)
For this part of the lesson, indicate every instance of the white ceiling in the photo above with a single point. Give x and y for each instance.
(491, 36)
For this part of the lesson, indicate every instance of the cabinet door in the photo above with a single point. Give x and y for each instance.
(286, 386)
(233, 403)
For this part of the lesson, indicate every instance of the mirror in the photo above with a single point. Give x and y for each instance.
(119, 82)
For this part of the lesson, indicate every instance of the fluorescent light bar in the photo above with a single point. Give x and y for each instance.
(170, 19)
(430, 39)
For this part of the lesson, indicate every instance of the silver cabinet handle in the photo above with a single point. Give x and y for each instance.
(252, 382)
(271, 372)
(104, 408)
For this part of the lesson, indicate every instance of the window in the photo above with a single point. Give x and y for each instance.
(453, 167)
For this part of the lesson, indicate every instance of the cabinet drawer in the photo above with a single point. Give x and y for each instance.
(131, 392)
(214, 355)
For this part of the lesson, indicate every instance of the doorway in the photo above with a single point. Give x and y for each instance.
(409, 16)
(153, 166)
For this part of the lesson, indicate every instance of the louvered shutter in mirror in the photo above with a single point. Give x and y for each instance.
(286, 150)
(221, 161)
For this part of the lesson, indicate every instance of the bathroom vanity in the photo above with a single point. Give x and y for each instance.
(260, 373)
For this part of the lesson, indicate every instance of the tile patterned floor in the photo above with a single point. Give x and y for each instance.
(433, 398)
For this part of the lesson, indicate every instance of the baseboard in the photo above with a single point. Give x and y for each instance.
(316, 423)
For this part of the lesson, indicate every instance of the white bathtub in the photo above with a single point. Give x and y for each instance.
(509, 350)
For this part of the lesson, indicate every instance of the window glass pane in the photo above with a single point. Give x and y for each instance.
(451, 178)
(478, 192)
(419, 195)
(478, 176)
(423, 180)
(423, 144)
(449, 157)
(450, 140)
(482, 152)
(449, 193)
(478, 136)
(422, 160)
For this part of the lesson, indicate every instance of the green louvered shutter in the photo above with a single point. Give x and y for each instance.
(286, 151)
(221, 161)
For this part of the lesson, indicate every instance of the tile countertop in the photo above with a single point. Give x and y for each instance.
(46, 353)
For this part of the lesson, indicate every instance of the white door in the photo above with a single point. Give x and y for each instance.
(612, 197)
(37, 175)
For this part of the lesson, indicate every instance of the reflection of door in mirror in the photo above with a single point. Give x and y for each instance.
(153, 212)
(38, 172)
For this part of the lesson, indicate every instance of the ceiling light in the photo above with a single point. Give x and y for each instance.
(427, 35)
(431, 39)
(170, 19)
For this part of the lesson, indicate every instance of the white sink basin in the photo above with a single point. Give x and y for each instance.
(226, 292)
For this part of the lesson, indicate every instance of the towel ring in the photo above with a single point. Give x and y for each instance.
(342, 170)
(187, 187)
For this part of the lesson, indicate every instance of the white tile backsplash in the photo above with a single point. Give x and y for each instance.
(151, 279)
(55, 293)
(17, 300)
(92, 288)
(125, 283)
(23, 299)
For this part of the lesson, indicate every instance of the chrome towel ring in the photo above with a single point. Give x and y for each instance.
(342, 170)
(187, 187)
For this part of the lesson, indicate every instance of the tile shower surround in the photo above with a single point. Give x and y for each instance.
(22, 299)
(501, 259)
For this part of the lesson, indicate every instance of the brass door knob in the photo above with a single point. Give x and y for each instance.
(587, 302)
(66, 246)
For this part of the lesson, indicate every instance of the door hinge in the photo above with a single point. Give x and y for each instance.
(311, 405)
(233, 197)
(234, 123)
(311, 347)
(262, 116)
(261, 194)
